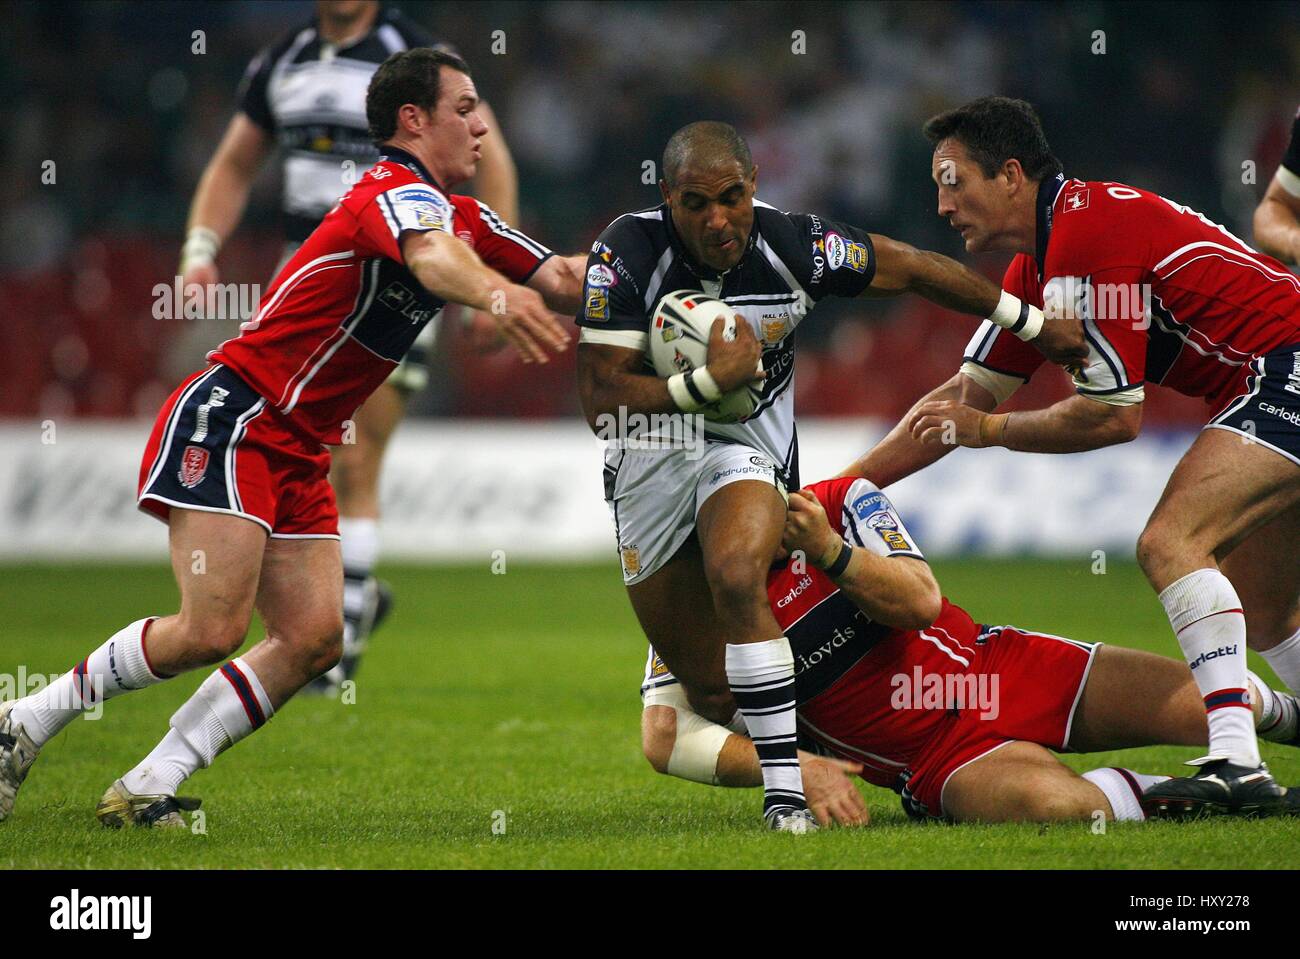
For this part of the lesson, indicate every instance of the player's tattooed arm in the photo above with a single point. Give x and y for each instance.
(559, 280)
(1073, 425)
(1277, 221)
(452, 271)
(611, 378)
(900, 454)
(904, 269)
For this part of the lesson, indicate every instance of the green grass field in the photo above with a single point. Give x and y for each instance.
(512, 700)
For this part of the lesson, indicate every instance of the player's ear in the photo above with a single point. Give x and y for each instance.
(1014, 174)
(753, 179)
(665, 192)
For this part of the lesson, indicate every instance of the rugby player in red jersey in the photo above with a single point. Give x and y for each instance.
(237, 463)
(905, 689)
(1165, 297)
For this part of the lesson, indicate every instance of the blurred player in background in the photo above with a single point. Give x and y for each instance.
(914, 695)
(696, 533)
(1166, 297)
(1277, 218)
(305, 95)
(237, 464)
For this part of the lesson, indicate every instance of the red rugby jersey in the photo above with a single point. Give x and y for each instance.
(344, 310)
(1166, 295)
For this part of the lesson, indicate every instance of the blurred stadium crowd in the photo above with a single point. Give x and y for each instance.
(115, 94)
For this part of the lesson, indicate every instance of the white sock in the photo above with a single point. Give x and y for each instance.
(1123, 789)
(1285, 660)
(761, 676)
(229, 705)
(359, 541)
(1279, 714)
(118, 666)
(1206, 615)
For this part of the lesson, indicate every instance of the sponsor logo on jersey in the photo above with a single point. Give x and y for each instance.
(870, 503)
(657, 666)
(403, 301)
(597, 303)
(632, 564)
(835, 250)
(774, 328)
(882, 520)
(600, 275)
(194, 466)
(762, 461)
(856, 257)
(602, 251)
(1078, 200)
(795, 592)
(894, 539)
(379, 173)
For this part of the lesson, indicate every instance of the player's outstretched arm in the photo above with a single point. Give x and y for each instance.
(1277, 220)
(904, 269)
(221, 196)
(452, 271)
(559, 280)
(1073, 425)
(900, 454)
(611, 378)
(678, 742)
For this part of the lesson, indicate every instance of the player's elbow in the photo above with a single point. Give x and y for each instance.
(658, 735)
(925, 602)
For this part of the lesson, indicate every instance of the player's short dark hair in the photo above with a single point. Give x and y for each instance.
(994, 130)
(409, 76)
(707, 142)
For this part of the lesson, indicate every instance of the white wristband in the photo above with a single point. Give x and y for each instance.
(693, 390)
(200, 249)
(1013, 314)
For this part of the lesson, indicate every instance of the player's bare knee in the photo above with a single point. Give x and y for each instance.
(658, 735)
(211, 639)
(739, 588)
(323, 646)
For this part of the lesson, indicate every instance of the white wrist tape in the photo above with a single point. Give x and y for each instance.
(1013, 314)
(692, 390)
(200, 249)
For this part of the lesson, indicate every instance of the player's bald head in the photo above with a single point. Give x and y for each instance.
(705, 145)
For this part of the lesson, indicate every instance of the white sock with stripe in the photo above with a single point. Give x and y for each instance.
(761, 676)
(359, 542)
(1123, 789)
(120, 665)
(1285, 660)
(1206, 615)
(229, 705)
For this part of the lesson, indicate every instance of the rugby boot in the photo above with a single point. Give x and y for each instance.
(791, 820)
(17, 753)
(120, 807)
(1220, 788)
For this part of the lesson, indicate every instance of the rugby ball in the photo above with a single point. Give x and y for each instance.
(679, 343)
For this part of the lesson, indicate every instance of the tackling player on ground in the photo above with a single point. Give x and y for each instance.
(696, 533)
(237, 462)
(1166, 297)
(911, 693)
(305, 94)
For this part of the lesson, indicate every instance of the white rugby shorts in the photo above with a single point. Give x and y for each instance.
(654, 496)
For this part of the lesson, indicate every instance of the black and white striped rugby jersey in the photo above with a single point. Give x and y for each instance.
(310, 96)
(791, 262)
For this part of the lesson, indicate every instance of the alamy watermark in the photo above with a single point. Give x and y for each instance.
(652, 431)
(213, 301)
(85, 694)
(946, 691)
